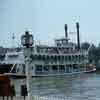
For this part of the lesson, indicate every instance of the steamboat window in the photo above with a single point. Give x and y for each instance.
(66, 58)
(82, 57)
(69, 58)
(62, 59)
(75, 66)
(54, 68)
(47, 59)
(39, 57)
(52, 60)
(55, 58)
(74, 58)
(67, 68)
(46, 68)
(61, 68)
(43, 57)
(38, 68)
(77, 58)
(34, 57)
(58, 58)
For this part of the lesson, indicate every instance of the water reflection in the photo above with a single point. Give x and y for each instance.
(80, 85)
(54, 86)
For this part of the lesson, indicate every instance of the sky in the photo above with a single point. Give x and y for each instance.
(45, 19)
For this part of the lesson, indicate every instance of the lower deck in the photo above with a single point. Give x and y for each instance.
(48, 70)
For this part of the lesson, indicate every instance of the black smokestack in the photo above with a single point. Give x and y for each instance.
(66, 31)
(78, 37)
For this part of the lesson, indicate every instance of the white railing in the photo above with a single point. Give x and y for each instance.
(43, 98)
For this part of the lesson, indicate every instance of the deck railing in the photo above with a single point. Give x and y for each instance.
(42, 98)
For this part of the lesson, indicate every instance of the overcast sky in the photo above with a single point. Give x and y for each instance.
(46, 19)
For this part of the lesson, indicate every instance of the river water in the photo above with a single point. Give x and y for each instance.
(85, 85)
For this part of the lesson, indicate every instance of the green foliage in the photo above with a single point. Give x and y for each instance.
(85, 45)
(94, 52)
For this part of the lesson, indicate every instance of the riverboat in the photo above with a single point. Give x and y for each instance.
(62, 59)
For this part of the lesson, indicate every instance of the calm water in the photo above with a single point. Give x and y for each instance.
(81, 85)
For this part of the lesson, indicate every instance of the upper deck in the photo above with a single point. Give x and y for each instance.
(59, 50)
(62, 46)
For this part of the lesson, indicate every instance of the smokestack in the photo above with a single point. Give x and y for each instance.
(78, 37)
(66, 31)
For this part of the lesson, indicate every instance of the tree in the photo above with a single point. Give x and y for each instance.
(94, 54)
(85, 45)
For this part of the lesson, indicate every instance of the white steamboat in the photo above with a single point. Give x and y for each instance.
(62, 59)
